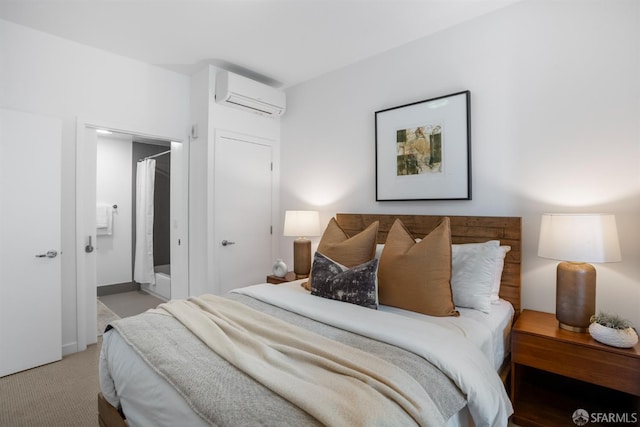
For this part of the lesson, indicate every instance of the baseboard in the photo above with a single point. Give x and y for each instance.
(117, 288)
(155, 294)
(69, 348)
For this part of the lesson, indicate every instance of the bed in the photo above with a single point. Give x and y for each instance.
(154, 374)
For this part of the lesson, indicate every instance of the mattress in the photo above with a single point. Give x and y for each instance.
(145, 395)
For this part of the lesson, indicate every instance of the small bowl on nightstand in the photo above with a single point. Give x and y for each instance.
(622, 336)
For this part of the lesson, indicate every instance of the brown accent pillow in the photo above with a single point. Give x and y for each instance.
(417, 276)
(336, 245)
(348, 251)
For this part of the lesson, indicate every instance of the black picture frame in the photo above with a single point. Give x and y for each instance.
(423, 150)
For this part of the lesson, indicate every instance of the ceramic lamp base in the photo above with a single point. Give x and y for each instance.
(575, 295)
(302, 257)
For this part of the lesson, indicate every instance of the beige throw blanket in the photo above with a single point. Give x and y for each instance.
(336, 384)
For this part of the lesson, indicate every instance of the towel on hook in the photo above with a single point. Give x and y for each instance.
(104, 220)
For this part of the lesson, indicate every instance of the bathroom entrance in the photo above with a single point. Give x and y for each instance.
(133, 205)
(114, 213)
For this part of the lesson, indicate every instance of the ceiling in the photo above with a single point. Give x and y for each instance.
(278, 42)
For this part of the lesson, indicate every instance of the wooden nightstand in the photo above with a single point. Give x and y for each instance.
(555, 372)
(289, 277)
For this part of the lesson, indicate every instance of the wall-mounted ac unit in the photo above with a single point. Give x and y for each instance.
(240, 92)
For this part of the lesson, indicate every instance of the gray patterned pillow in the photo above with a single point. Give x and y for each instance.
(357, 285)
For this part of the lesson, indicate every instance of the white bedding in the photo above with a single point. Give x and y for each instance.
(490, 332)
(145, 396)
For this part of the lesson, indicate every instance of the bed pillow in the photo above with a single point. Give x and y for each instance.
(417, 276)
(357, 285)
(475, 279)
(379, 248)
(336, 245)
(497, 277)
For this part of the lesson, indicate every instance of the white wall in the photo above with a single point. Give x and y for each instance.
(201, 182)
(51, 76)
(210, 117)
(555, 111)
(114, 176)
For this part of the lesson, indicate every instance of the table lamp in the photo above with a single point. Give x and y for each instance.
(577, 239)
(301, 224)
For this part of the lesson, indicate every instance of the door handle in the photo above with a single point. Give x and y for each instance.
(89, 248)
(49, 254)
(225, 242)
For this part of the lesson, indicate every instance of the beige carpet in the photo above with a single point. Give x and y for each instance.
(59, 394)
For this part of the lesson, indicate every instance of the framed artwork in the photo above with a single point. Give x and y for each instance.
(423, 150)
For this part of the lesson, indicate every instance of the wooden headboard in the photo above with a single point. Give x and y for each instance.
(464, 229)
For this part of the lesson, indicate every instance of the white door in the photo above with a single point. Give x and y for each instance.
(242, 238)
(30, 287)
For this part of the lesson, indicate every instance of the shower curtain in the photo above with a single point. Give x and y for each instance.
(143, 261)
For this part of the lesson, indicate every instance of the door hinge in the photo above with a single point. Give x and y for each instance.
(271, 229)
(271, 166)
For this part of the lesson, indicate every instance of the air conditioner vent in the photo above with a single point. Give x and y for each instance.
(240, 92)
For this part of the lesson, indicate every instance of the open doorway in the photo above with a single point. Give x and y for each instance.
(132, 224)
(97, 237)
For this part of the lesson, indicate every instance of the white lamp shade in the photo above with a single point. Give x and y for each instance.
(579, 238)
(301, 223)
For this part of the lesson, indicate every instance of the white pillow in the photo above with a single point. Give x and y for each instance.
(476, 269)
(495, 290)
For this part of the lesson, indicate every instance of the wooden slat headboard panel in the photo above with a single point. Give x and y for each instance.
(464, 229)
